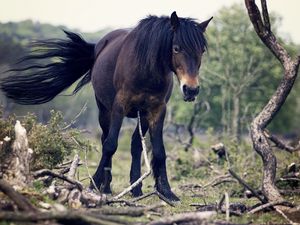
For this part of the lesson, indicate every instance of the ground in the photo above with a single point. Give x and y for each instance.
(190, 171)
(194, 176)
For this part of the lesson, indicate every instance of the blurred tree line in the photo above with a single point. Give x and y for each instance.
(238, 75)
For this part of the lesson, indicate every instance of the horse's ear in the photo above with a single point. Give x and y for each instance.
(174, 21)
(204, 24)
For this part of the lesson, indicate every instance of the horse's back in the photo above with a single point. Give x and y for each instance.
(106, 52)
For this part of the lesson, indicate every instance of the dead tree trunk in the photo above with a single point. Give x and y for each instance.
(15, 168)
(261, 145)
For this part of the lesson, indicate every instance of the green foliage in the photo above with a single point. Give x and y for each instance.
(50, 146)
(51, 143)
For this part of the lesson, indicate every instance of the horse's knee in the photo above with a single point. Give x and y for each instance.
(158, 159)
(103, 138)
(109, 147)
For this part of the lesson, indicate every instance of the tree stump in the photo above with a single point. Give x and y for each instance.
(15, 166)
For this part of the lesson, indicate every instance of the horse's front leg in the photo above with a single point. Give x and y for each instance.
(136, 151)
(102, 179)
(156, 121)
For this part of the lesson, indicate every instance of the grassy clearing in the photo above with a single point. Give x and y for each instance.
(189, 171)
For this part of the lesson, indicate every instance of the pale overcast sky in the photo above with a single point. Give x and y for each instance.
(93, 15)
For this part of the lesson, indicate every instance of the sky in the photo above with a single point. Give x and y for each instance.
(93, 15)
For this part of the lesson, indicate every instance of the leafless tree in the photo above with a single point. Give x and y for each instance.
(262, 26)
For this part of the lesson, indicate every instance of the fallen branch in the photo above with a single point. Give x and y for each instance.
(46, 172)
(289, 192)
(247, 186)
(21, 202)
(280, 143)
(216, 181)
(280, 211)
(65, 217)
(143, 196)
(128, 211)
(267, 205)
(199, 217)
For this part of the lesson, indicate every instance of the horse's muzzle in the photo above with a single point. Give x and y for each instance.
(190, 93)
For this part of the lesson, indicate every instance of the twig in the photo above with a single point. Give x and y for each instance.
(267, 205)
(247, 186)
(73, 167)
(148, 172)
(227, 180)
(289, 179)
(143, 196)
(46, 172)
(87, 167)
(280, 143)
(289, 192)
(221, 203)
(284, 216)
(16, 197)
(76, 117)
(227, 204)
(216, 180)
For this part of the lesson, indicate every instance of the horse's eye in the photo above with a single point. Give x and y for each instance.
(176, 49)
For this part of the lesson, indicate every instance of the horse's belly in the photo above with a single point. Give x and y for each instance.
(104, 67)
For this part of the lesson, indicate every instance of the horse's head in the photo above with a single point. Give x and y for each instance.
(188, 46)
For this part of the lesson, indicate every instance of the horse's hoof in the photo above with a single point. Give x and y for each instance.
(107, 191)
(170, 196)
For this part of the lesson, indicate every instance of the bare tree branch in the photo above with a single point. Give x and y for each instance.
(265, 15)
(267, 205)
(263, 119)
(280, 143)
(46, 172)
(247, 186)
(16, 197)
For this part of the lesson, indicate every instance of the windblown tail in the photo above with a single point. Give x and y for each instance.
(38, 83)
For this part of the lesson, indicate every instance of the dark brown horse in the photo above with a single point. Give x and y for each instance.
(131, 70)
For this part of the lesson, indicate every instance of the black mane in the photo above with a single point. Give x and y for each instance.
(154, 36)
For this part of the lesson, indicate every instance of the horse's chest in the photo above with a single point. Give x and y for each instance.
(143, 103)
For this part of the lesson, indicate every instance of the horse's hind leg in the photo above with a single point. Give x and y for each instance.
(136, 151)
(102, 177)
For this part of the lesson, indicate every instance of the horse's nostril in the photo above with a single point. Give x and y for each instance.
(190, 91)
(184, 89)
